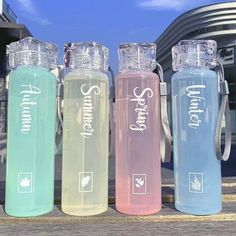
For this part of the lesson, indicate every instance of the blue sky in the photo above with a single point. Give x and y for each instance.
(109, 22)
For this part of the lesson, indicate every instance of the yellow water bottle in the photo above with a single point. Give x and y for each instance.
(85, 131)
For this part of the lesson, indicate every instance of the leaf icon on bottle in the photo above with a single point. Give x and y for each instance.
(139, 182)
(85, 180)
(25, 182)
(195, 184)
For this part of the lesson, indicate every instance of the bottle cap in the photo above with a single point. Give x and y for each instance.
(137, 57)
(32, 52)
(86, 55)
(194, 53)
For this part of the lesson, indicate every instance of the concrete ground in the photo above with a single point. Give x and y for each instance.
(167, 222)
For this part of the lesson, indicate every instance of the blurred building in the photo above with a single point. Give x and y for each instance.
(10, 31)
(217, 22)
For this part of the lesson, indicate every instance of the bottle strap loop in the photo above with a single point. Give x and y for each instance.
(166, 138)
(223, 111)
(59, 102)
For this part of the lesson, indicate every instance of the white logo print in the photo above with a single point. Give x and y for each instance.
(88, 110)
(27, 102)
(86, 181)
(195, 182)
(25, 182)
(139, 184)
(194, 111)
(141, 109)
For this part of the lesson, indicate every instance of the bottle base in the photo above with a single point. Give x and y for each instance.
(27, 212)
(83, 210)
(197, 211)
(145, 210)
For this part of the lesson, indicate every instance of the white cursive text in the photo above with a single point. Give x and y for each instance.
(88, 110)
(141, 109)
(27, 101)
(194, 110)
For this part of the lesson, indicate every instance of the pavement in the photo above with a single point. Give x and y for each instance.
(167, 222)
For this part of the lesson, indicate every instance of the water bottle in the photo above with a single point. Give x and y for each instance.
(31, 128)
(137, 117)
(85, 131)
(195, 106)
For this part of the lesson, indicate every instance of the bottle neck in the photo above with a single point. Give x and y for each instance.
(31, 58)
(194, 67)
(86, 69)
(136, 70)
(25, 67)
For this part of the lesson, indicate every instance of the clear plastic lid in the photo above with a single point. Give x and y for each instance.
(194, 53)
(137, 57)
(86, 55)
(32, 52)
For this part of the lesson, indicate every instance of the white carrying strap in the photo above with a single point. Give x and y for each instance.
(224, 111)
(111, 114)
(59, 100)
(166, 138)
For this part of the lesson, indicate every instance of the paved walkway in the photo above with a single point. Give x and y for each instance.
(167, 222)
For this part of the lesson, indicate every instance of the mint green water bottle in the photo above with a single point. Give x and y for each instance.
(31, 128)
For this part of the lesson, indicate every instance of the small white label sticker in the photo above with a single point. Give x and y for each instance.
(25, 182)
(86, 182)
(195, 182)
(139, 184)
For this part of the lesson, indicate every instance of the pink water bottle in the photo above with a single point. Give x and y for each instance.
(138, 174)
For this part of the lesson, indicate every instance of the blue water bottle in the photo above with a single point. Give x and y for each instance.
(31, 128)
(196, 120)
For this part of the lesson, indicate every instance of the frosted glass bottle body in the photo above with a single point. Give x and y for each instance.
(85, 143)
(197, 171)
(138, 176)
(30, 142)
